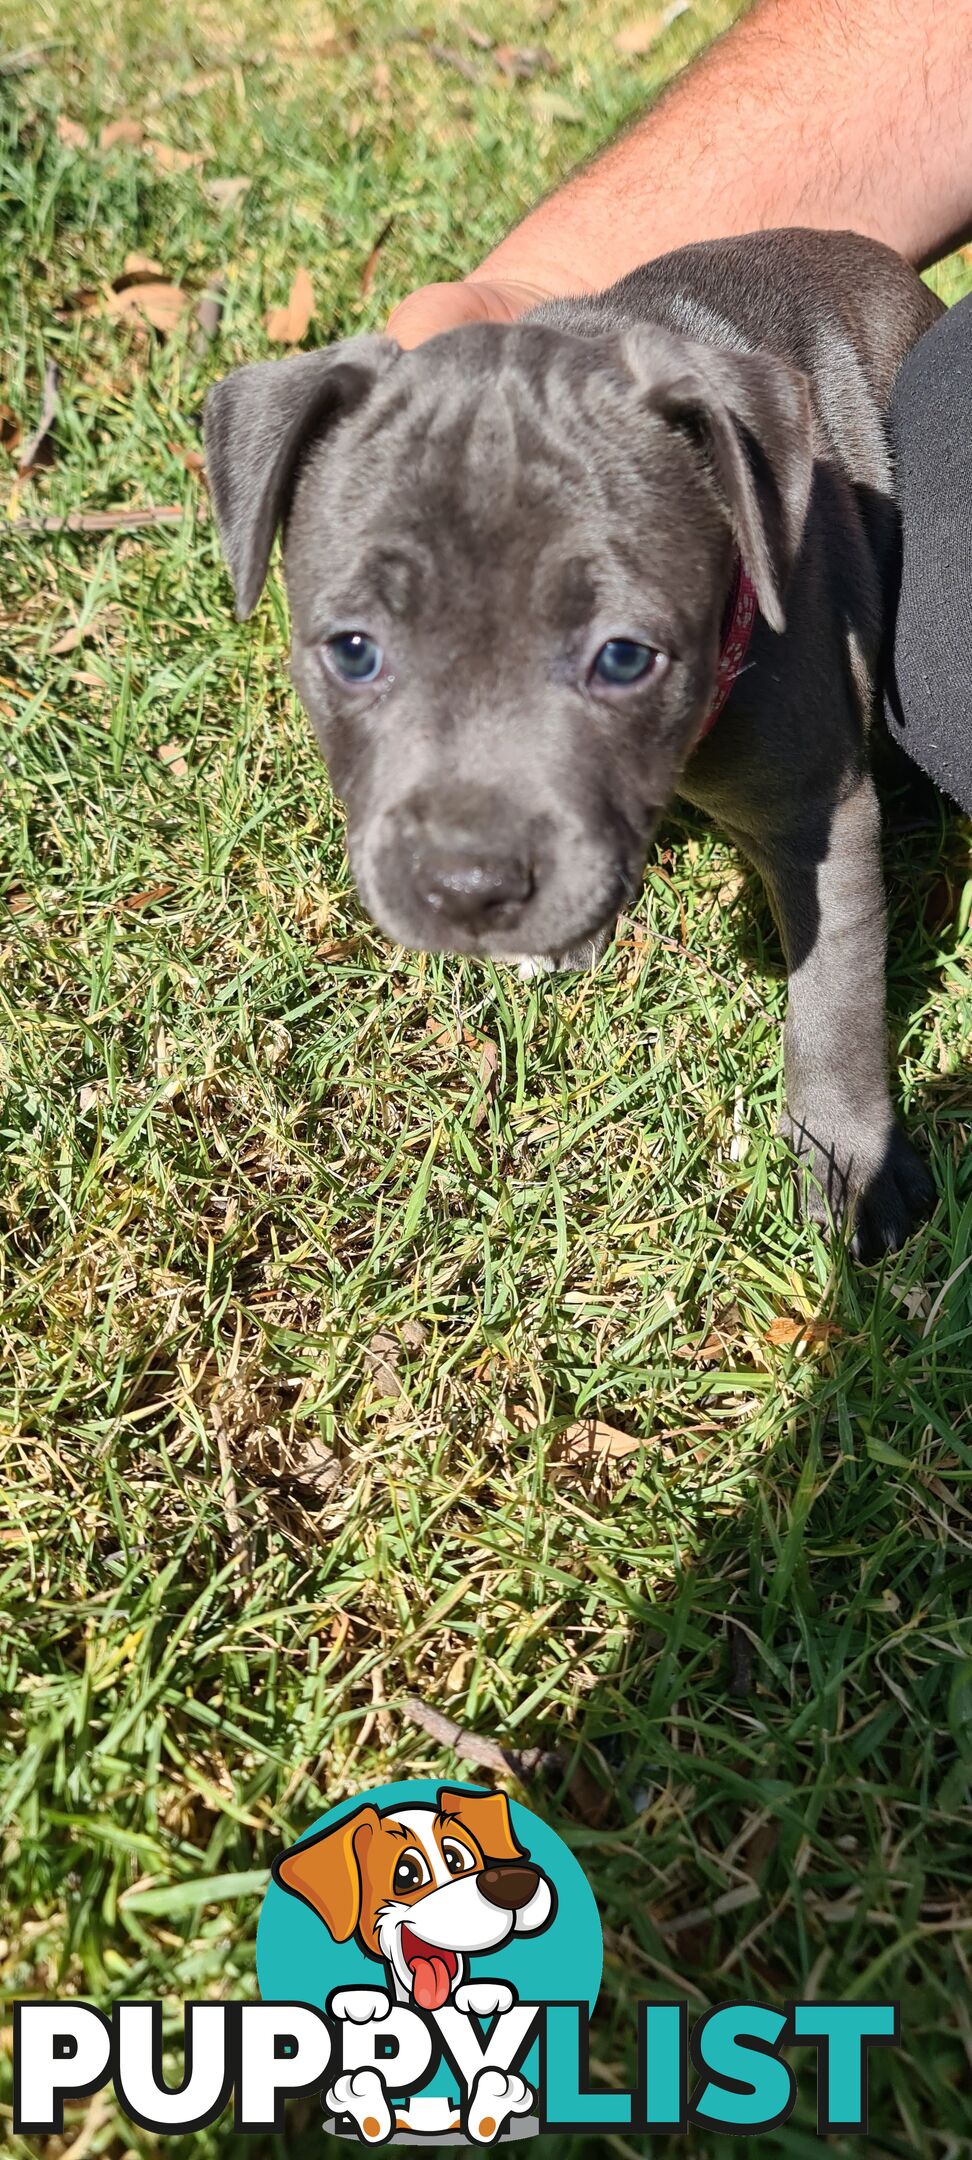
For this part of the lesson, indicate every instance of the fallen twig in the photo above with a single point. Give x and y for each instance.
(522, 1762)
(590, 1797)
(99, 521)
(209, 314)
(31, 451)
(643, 936)
(445, 56)
(29, 56)
(239, 1542)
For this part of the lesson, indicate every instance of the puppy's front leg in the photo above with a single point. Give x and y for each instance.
(828, 894)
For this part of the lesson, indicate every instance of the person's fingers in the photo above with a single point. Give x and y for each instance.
(433, 308)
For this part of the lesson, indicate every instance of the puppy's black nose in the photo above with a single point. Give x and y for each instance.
(472, 887)
(510, 1886)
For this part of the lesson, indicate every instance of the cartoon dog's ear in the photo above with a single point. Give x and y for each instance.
(326, 1871)
(255, 424)
(487, 1817)
(749, 416)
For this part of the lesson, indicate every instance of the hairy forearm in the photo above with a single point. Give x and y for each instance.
(831, 113)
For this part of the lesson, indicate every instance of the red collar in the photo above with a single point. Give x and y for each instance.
(737, 628)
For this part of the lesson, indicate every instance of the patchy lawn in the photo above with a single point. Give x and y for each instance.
(318, 1256)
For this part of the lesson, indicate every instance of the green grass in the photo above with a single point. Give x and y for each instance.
(243, 1138)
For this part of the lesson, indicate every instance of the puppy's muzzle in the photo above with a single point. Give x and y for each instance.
(469, 864)
(510, 1887)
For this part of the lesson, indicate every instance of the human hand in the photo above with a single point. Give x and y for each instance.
(432, 308)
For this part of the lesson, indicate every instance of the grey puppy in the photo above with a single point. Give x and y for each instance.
(509, 556)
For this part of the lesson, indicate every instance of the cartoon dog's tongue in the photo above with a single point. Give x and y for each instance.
(430, 1982)
(432, 1970)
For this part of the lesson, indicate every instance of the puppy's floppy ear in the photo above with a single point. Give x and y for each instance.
(749, 415)
(255, 424)
(487, 1817)
(325, 1872)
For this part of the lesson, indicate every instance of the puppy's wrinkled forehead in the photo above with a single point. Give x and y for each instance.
(508, 447)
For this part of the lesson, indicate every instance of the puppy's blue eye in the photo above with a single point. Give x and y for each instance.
(623, 661)
(353, 656)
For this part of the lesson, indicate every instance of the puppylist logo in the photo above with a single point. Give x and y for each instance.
(429, 1957)
(433, 1922)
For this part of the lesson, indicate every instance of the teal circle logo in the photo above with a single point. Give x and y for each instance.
(417, 1909)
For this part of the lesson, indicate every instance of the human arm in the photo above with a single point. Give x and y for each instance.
(807, 112)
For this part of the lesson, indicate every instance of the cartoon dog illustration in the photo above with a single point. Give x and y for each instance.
(423, 1889)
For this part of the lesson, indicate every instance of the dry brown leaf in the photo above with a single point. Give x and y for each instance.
(455, 1678)
(322, 45)
(152, 301)
(209, 313)
(288, 325)
(447, 57)
(710, 1352)
(787, 1331)
(549, 105)
(487, 1063)
(340, 948)
(225, 194)
(275, 1042)
(71, 639)
(172, 755)
(198, 85)
(170, 160)
(143, 899)
(444, 1036)
(314, 1465)
(81, 300)
(639, 37)
(136, 266)
(381, 81)
(151, 274)
(520, 1416)
(592, 1441)
(125, 131)
(10, 428)
(72, 134)
(590, 1798)
(381, 1359)
(93, 1093)
(520, 62)
(943, 899)
(192, 459)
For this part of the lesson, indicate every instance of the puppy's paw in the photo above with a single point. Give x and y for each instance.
(496, 2095)
(880, 1194)
(484, 1998)
(359, 2005)
(362, 2095)
(899, 1197)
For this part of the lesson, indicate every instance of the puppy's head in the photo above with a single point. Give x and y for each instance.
(424, 1888)
(507, 556)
